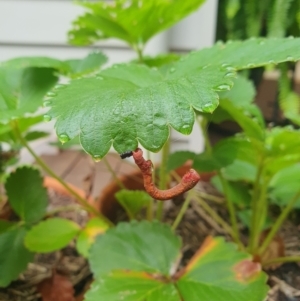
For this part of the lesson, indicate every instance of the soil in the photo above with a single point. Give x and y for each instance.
(284, 280)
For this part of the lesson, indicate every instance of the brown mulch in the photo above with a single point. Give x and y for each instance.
(194, 228)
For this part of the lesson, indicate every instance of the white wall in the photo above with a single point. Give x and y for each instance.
(39, 27)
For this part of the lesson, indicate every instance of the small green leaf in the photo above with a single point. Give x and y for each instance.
(177, 159)
(92, 62)
(35, 135)
(87, 236)
(26, 194)
(237, 192)
(133, 201)
(219, 272)
(240, 171)
(134, 22)
(132, 286)
(5, 225)
(35, 62)
(51, 235)
(252, 127)
(22, 91)
(14, 257)
(242, 93)
(130, 246)
(285, 184)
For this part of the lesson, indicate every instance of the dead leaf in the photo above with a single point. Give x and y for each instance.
(56, 288)
(274, 250)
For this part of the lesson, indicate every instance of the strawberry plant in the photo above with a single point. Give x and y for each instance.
(136, 104)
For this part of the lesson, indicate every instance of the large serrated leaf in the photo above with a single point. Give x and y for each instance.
(130, 104)
(132, 286)
(26, 194)
(141, 262)
(246, 54)
(218, 272)
(134, 21)
(14, 257)
(131, 246)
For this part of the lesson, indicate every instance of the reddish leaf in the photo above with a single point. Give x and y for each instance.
(56, 288)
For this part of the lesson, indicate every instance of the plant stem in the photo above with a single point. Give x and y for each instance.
(281, 260)
(231, 209)
(84, 203)
(278, 223)
(113, 173)
(163, 177)
(182, 210)
(214, 215)
(255, 203)
(203, 125)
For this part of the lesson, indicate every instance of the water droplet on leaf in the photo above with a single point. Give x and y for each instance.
(230, 74)
(250, 65)
(58, 87)
(271, 62)
(47, 118)
(224, 87)
(99, 77)
(51, 94)
(63, 138)
(290, 58)
(208, 108)
(47, 103)
(172, 70)
(97, 158)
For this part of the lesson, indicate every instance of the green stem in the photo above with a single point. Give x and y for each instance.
(215, 216)
(204, 127)
(163, 177)
(282, 217)
(80, 200)
(281, 260)
(182, 211)
(256, 197)
(113, 173)
(231, 209)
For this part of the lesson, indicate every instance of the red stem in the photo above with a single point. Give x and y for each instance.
(188, 181)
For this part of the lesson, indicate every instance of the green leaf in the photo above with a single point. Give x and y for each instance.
(251, 126)
(87, 236)
(90, 63)
(237, 192)
(26, 194)
(247, 54)
(35, 135)
(285, 185)
(136, 268)
(240, 171)
(35, 62)
(130, 246)
(51, 235)
(242, 94)
(223, 153)
(219, 272)
(14, 257)
(22, 91)
(177, 159)
(127, 104)
(134, 22)
(133, 201)
(131, 286)
(5, 225)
